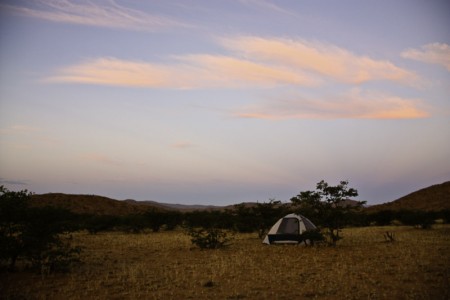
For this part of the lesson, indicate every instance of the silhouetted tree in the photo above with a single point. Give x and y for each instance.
(267, 213)
(328, 208)
(13, 210)
(172, 219)
(33, 233)
(155, 219)
(98, 223)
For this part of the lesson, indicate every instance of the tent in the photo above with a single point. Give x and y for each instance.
(288, 230)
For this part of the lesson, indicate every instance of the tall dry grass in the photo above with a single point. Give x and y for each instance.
(165, 265)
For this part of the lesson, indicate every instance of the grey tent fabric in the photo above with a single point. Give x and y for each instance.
(288, 230)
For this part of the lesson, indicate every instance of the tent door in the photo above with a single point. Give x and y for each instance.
(289, 226)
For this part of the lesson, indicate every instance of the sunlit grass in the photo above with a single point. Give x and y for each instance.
(166, 265)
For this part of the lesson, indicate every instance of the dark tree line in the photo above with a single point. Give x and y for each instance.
(416, 218)
(242, 218)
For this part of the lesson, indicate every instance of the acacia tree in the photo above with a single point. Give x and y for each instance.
(13, 208)
(328, 207)
(34, 234)
(259, 217)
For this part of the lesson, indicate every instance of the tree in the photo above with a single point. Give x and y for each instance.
(34, 234)
(328, 207)
(267, 214)
(259, 217)
(13, 207)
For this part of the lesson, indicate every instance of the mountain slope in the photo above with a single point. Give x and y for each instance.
(432, 198)
(91, 204)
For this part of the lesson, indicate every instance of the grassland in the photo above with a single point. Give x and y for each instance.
(165, 265)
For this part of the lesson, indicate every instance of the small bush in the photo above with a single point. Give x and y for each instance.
(211, 238)
(389, 237)
(312, 236)
(58, 257)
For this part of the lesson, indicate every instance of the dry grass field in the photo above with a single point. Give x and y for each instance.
(165, 265)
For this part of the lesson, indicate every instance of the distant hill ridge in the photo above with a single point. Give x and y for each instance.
(183, 207)
(90, 204)
(100, 205)
(432, 198)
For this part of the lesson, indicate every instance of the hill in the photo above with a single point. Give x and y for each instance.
(181, 207)
(91, 204)
(99, 205)
(432, 198)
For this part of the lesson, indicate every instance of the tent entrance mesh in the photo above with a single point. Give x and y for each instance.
(289, 226)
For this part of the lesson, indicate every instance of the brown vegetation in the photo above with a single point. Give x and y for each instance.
(165, 265)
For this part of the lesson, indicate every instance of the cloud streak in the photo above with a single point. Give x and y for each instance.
(13, 182)
(19, 129)
(435, 53)
(187, 72)
(267, 6)
(321, 58)
(355, 104)
(94, 13)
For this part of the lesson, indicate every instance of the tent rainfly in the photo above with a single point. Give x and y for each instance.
(288, 229)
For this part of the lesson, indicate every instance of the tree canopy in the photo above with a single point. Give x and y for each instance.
(329, 206)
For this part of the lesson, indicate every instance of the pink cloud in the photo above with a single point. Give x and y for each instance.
(321, 58)
(435, 53)
(192, 71)
(355, 104)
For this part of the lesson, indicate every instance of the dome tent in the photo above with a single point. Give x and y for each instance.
(288, 230)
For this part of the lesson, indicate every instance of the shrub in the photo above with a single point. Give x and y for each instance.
(211, 238)
(312, 236)
(59, 256)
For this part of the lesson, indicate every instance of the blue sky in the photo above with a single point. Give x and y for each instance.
(219, 102)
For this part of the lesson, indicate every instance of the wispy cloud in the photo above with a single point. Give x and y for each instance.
(112, 71)
(230, 71)
(435, 53)
(186, 72)
(355, 104)
(13, 182)
(267, 5)
(21, 129)
(93, 13)
(321, 58)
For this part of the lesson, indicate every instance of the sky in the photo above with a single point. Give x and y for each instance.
(221, 102)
